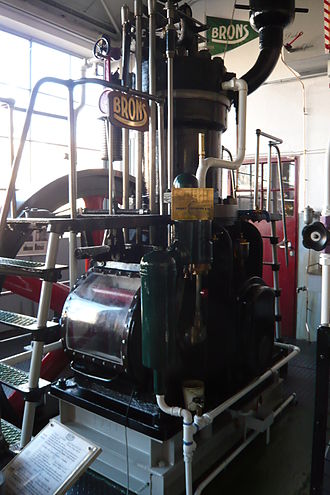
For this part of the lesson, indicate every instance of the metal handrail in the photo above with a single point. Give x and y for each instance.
(273, 143)
(280, 179)
(70, 84)
(275, 140)
(10, 104)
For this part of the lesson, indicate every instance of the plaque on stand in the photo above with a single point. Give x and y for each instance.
(51, 463)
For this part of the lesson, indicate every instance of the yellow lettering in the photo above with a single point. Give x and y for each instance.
(145, 113)
(124, 112)
(131, 108)
(116, 104)
(139, 114)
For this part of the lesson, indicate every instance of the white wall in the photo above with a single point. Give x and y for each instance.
(278, 108)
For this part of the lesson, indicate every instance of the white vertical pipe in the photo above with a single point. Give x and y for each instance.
(326, 181)
(205, 164)
(325, 294)
(325, 257)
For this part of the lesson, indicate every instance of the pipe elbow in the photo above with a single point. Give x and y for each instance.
(171, 411)
(235, 85)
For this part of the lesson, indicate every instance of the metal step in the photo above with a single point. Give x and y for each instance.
(24, 322)
(10, 266)
(11, 433)
(19, 380)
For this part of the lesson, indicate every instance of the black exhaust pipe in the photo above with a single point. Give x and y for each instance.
(268, 18)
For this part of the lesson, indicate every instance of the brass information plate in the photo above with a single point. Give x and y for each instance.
(192, 203)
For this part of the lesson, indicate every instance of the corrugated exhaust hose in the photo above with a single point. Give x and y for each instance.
(268, 18)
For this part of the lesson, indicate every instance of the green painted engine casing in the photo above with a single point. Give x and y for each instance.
(158, 303)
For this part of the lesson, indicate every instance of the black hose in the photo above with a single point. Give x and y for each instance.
(269, 18)
(270, 42)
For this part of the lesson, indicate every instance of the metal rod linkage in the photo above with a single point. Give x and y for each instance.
(161, 156)
(152, 90)
(110, 162)
(170, 52)
(138, 59)
(73, 268)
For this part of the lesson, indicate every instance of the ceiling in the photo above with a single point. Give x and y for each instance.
(74, 23)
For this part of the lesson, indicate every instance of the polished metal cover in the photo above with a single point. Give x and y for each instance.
(98, 317)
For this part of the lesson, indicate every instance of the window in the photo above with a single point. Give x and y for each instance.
(46, 149)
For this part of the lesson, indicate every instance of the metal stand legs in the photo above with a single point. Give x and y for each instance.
(37, 349)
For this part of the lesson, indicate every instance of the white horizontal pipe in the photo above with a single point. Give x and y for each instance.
(225, 463)
(206, 163)
(208, 417)
(239, 449)
(190, 426)
(24, 356)
(284, 404)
